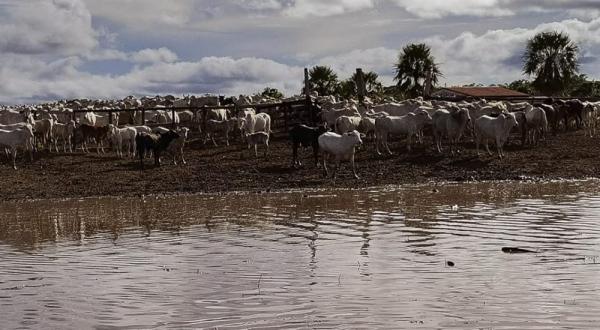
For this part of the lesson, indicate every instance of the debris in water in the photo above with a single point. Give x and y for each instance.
(450, 263)
(454, 207)
(516, 250)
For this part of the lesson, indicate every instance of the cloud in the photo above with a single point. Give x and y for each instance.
(495, 56)
(441, 8)
(154, 55)
(47, 27)
(380, 59)
(34, 80)
(144, 13)
(305, 8)
(435, 9)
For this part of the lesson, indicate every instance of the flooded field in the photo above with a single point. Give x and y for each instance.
(423, 256)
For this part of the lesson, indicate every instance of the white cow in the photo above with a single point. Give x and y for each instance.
(19, 138)
(409, 125)
(142, 129)
(260, 122)
(341, 147)
(347, 124)
(449, 124)
(63, 132)
(330, 116)
(254, 139)
(9, 117)
(123, 137)
(43, 129)
(497, 129)
(536, 123)
(217, 126)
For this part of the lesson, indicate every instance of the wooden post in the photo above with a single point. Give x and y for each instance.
(306, 83)
(286, 110)
(173, 118)
(143, 116)
(110, 117)
(203, 123)
(361, 88)
(307, 100)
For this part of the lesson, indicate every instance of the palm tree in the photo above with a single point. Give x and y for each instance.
(346, 88)
(415, 64)
(552, 58)
(323, 80)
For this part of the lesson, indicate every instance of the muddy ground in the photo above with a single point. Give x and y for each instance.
(212, 169)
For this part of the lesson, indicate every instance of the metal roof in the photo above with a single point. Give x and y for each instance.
(485, 91)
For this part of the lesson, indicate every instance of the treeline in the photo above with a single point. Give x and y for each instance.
(550, 62)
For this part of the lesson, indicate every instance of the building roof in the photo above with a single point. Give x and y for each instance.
(485, 91)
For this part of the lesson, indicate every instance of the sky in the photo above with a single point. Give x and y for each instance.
(63, 49)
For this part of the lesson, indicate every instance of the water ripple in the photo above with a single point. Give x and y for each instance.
(390, 257)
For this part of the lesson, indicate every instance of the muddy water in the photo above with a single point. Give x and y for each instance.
(378, 258)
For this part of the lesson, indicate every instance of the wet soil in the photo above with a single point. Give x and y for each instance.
(210, 169)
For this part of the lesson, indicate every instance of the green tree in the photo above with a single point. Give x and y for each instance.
(323, 80)
(346, 88)
(272, 92)
(523, 86)
(552, 58)
(582, 87)
(415, 62)
(372, 83)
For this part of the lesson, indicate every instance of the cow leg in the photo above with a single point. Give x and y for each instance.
(14, 157)
(438, 143)
(353, 167)
(385, 143)
(499, 147)
(325, 172)
(487, 147)
(335, 170)
(141, 153)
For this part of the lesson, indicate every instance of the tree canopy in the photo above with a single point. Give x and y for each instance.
(415, 64)
(552, 59)
(323, 80)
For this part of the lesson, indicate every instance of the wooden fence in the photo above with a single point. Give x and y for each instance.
(284, 115)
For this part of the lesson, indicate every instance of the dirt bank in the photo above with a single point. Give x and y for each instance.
(222, 169)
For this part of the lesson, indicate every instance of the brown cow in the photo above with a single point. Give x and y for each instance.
(157, 143)
(85, 133)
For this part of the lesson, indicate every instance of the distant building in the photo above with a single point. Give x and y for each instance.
(478, 93)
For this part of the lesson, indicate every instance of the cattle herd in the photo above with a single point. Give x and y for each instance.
(72, 125)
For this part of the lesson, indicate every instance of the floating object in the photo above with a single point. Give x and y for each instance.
(454, 207)
(450, 263)
(516, 250)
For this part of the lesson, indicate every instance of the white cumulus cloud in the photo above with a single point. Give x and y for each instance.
(47, 27)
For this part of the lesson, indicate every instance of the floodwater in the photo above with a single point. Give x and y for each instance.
(422, 257)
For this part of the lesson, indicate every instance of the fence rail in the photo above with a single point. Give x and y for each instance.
(283, 114)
